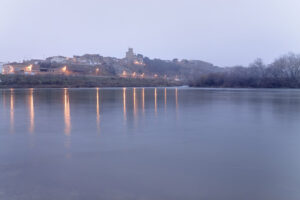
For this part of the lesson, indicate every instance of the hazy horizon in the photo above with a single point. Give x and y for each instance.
(225, 33)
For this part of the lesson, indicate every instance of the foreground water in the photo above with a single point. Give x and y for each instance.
(154, 143)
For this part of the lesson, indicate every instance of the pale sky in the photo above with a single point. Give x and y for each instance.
(223, 32)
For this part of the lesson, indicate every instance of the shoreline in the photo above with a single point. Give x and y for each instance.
(57, 81)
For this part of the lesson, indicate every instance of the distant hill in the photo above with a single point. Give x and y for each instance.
(184, 69)
(133, 65)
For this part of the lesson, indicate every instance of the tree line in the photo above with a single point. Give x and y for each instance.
(284, 72)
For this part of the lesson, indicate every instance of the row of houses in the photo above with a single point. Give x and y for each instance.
(86, 64)
(132, 66)
(28, 69)
(40, 69)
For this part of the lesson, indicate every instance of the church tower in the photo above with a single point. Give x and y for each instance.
(130, 55)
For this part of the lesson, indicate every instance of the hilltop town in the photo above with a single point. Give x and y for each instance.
(132, 66)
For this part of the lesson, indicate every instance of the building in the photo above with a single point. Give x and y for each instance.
(88, 59)
(132, 58)
(20, 68)
(35, 61)
(57, 59)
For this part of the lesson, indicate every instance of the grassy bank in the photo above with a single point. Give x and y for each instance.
(60, 81)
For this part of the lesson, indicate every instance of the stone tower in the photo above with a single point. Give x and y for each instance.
(130, 55)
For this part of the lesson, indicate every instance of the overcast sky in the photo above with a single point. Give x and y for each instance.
(224, 32)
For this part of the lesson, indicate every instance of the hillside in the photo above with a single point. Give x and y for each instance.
(132, 66)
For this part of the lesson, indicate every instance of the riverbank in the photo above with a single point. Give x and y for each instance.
(60, 81)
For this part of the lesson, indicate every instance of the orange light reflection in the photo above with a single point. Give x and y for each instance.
(124, 104)
(67, 114)
(143, 100)
(31, 111)
(12, 112)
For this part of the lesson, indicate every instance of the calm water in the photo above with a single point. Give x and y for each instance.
(156, 144)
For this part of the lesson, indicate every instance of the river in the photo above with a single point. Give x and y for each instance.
(150, 143)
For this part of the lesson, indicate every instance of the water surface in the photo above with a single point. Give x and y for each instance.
(149, 143)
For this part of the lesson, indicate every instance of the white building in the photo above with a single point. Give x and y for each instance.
(57, 59)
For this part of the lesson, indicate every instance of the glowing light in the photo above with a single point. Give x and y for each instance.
(28, 68)
(8, 69)
(155, 75)
(97, 70)
(67, 114)
(136, 62)
(134, 74)
(31, 111)
(64, 69)
(142, 75)
(124, 73)
(11, 70)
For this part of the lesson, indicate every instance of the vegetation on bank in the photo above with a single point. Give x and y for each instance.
(284, 72)
(61, 81)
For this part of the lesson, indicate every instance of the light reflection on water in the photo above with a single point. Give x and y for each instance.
(67, 113)
(31, 110)
(138, 95)
(124, 104)
(12, 111)
(98, 109)
(155, 143)
(143, 100)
